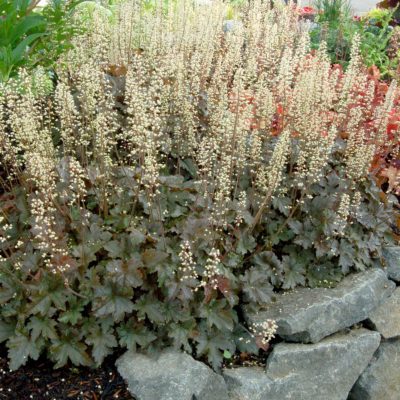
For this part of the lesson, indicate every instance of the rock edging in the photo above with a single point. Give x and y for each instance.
(321, 371)
(171, 376)
(308, 315)
(331, 359)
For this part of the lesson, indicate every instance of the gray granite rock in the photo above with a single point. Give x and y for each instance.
(171, 376)
(321, 371)
(308, 315)
(386, 318)
(249, 383)
(392, 259)
(381, 379)
(231, 24)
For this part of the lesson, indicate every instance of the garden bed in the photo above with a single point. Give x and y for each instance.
(40, 381)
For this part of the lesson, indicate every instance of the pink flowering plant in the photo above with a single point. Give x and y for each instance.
(177, 173)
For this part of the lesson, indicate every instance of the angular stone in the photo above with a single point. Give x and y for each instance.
(392, 259)
(381, 379)
(321, 371)
(386, 318)
(308, 315)
(232, 24)
(249, 383)
(171, 376)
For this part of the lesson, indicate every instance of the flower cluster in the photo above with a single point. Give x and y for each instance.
(188, 268)
(264, 331)
(212, 270)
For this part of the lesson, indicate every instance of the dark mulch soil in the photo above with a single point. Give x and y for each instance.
(38, 380)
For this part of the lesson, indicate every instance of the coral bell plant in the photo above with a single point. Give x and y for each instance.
(179, 172)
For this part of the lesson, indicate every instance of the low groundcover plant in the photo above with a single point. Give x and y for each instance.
(178, 172)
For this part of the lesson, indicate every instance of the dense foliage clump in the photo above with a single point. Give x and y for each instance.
(182, 169)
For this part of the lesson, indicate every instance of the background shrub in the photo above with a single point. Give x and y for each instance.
(337, 26)
(178, 173)
(32, 36)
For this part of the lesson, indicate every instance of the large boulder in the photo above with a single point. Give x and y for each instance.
(250, 383)
(326, 370)
(386, 318)
(392, 259)
(381, 380)
(308, 315)
(171, 376)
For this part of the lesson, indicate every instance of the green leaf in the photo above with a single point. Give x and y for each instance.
(20, 348)
(73, 314)
(28, 23)
(227, 354)
(246, 244)
(216, 314)
(181, 333)
(148, 306)
(49, 291)
(116, 306)
(346, 255)
(269, 265)
(42, 327)
(115, 248)
(282, 204)
(256, 286)
(244, 340)
(59, 298)
(132, 335)
(174, 311)
(102, 340)
(97, 234)
(42, 306)
(152, 257)
(7, 329)
(189, 166)
(173, 181)
(113, 300)
(136, 237)
(296, 226)
(62, 351)
(85, 253)
(294, 273)
(18, 52)
(306, 233)
(8, 288)
(212, 344)
(126, 272)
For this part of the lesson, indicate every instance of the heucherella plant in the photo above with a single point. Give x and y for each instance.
(179, 172)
